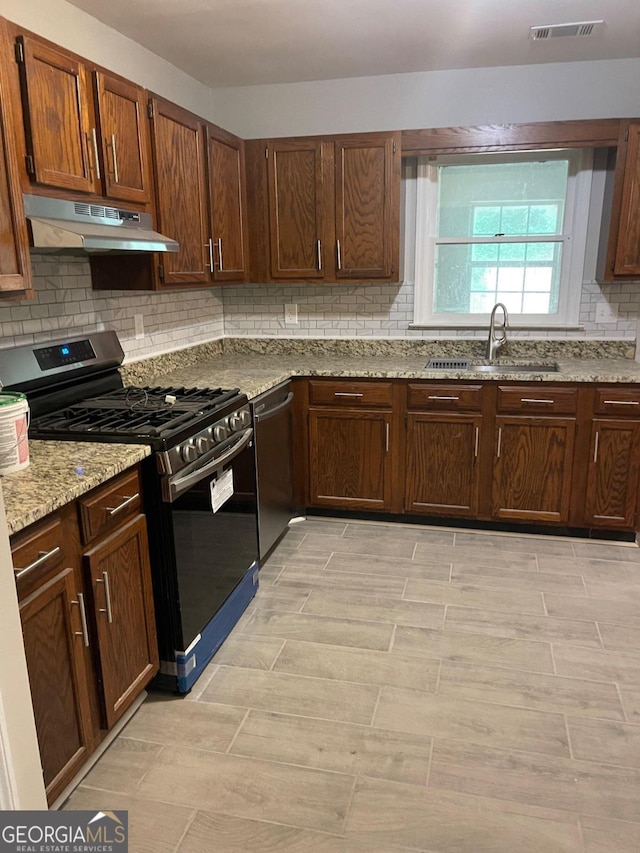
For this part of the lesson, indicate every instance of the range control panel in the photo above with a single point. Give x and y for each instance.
(62, 354)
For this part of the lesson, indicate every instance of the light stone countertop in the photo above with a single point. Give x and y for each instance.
(59, 472)
(254, 373)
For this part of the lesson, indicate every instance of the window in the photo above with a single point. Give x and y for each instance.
(501, 228)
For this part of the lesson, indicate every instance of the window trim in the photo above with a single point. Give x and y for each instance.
(574, 239)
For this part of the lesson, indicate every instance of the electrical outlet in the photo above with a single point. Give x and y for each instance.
(605, 313)
(291, 314)
(138, 323)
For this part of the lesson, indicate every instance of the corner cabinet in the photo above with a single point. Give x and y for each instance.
(84, 590)
(325, 209)
(15, 264)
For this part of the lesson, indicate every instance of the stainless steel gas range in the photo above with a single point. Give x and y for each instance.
(199, 483)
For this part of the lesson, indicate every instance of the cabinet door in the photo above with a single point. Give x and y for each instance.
(442, 464)
(614, 469)
(533, 467)
(53, 640)
(349, 458)
(296, 188)
(127, 646)
(627, 260)
(58, 129)
(178, 140)
(367, 206)
(122, 112)
(15, 265)
(227, 204)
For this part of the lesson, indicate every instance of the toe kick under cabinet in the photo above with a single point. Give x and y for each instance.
(557, 453)
(84, 590)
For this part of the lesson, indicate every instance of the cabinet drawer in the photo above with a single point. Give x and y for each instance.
(454, 397)
(39, 549)
(533, 398)
(622, 403)
(350, 393)
(106, 507)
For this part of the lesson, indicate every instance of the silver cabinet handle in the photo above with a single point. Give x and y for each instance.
(115, 158)
(112, 510)
(107, 596)
(477, 441)
(535, 400)
(319, 251)
(209, 245)
(220, 264)
(622, 403)
(441, 397)
(43, 556)
(595, 447)
(499, 442)
(386, 440)
(83, 618)
(346, 394)
(339, 254)
(95, 151)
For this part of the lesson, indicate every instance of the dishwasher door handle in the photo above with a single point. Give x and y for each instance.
(270, 413)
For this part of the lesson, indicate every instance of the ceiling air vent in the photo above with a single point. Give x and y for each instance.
(582, 28)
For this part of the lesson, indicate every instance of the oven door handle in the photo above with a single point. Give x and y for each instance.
(173, 488)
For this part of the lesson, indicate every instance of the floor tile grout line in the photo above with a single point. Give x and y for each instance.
(437, 687)
(553, 660)
(600, 636)
(375, 707)
(349, 803)
(190, 822)
(392, 638)
(277, 657)
(566, 728)
(237, 732)
(430, 762)
(621, 700)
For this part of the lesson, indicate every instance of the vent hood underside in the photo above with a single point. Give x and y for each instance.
(57, 225)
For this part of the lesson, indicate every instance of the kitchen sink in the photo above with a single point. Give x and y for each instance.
(515, 368)
(484, 367)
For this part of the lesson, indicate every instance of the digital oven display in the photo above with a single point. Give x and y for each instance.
(61, 355)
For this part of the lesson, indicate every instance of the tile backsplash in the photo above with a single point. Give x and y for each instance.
(65, 303)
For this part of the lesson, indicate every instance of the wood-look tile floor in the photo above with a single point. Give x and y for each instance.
(394, 687)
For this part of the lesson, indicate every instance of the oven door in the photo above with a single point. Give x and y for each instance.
(213, 515)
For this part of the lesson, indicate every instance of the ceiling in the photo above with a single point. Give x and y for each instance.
(248, 42)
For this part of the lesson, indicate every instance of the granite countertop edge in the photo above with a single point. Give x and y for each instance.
(60, 472)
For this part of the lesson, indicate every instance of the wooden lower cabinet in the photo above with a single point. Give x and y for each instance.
(442, 471)
(53, 639)
(532, 472)
(87, 620)
(127, 646)
(614, 471)
(349, 458)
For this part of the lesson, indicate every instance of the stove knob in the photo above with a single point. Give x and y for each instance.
(245, 418)
(203, 444)
(220, 433)
(235, 421)
(189, 451)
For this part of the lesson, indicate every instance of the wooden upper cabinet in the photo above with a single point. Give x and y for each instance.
(367, 206)
(296, 189)
(122, 123)
(60, 138)
(627, 257)
(179, 166)
(15, 265)
(227, 204)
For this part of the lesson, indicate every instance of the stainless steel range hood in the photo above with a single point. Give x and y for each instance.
(75, 227)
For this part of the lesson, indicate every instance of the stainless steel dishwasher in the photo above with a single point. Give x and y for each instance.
(273, 436)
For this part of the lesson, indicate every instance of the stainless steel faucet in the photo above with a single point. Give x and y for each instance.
(495, 341)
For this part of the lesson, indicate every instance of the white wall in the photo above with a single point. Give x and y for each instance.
(551, 92)
(67, 26)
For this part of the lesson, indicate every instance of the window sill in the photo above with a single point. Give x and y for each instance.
(485, 327)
